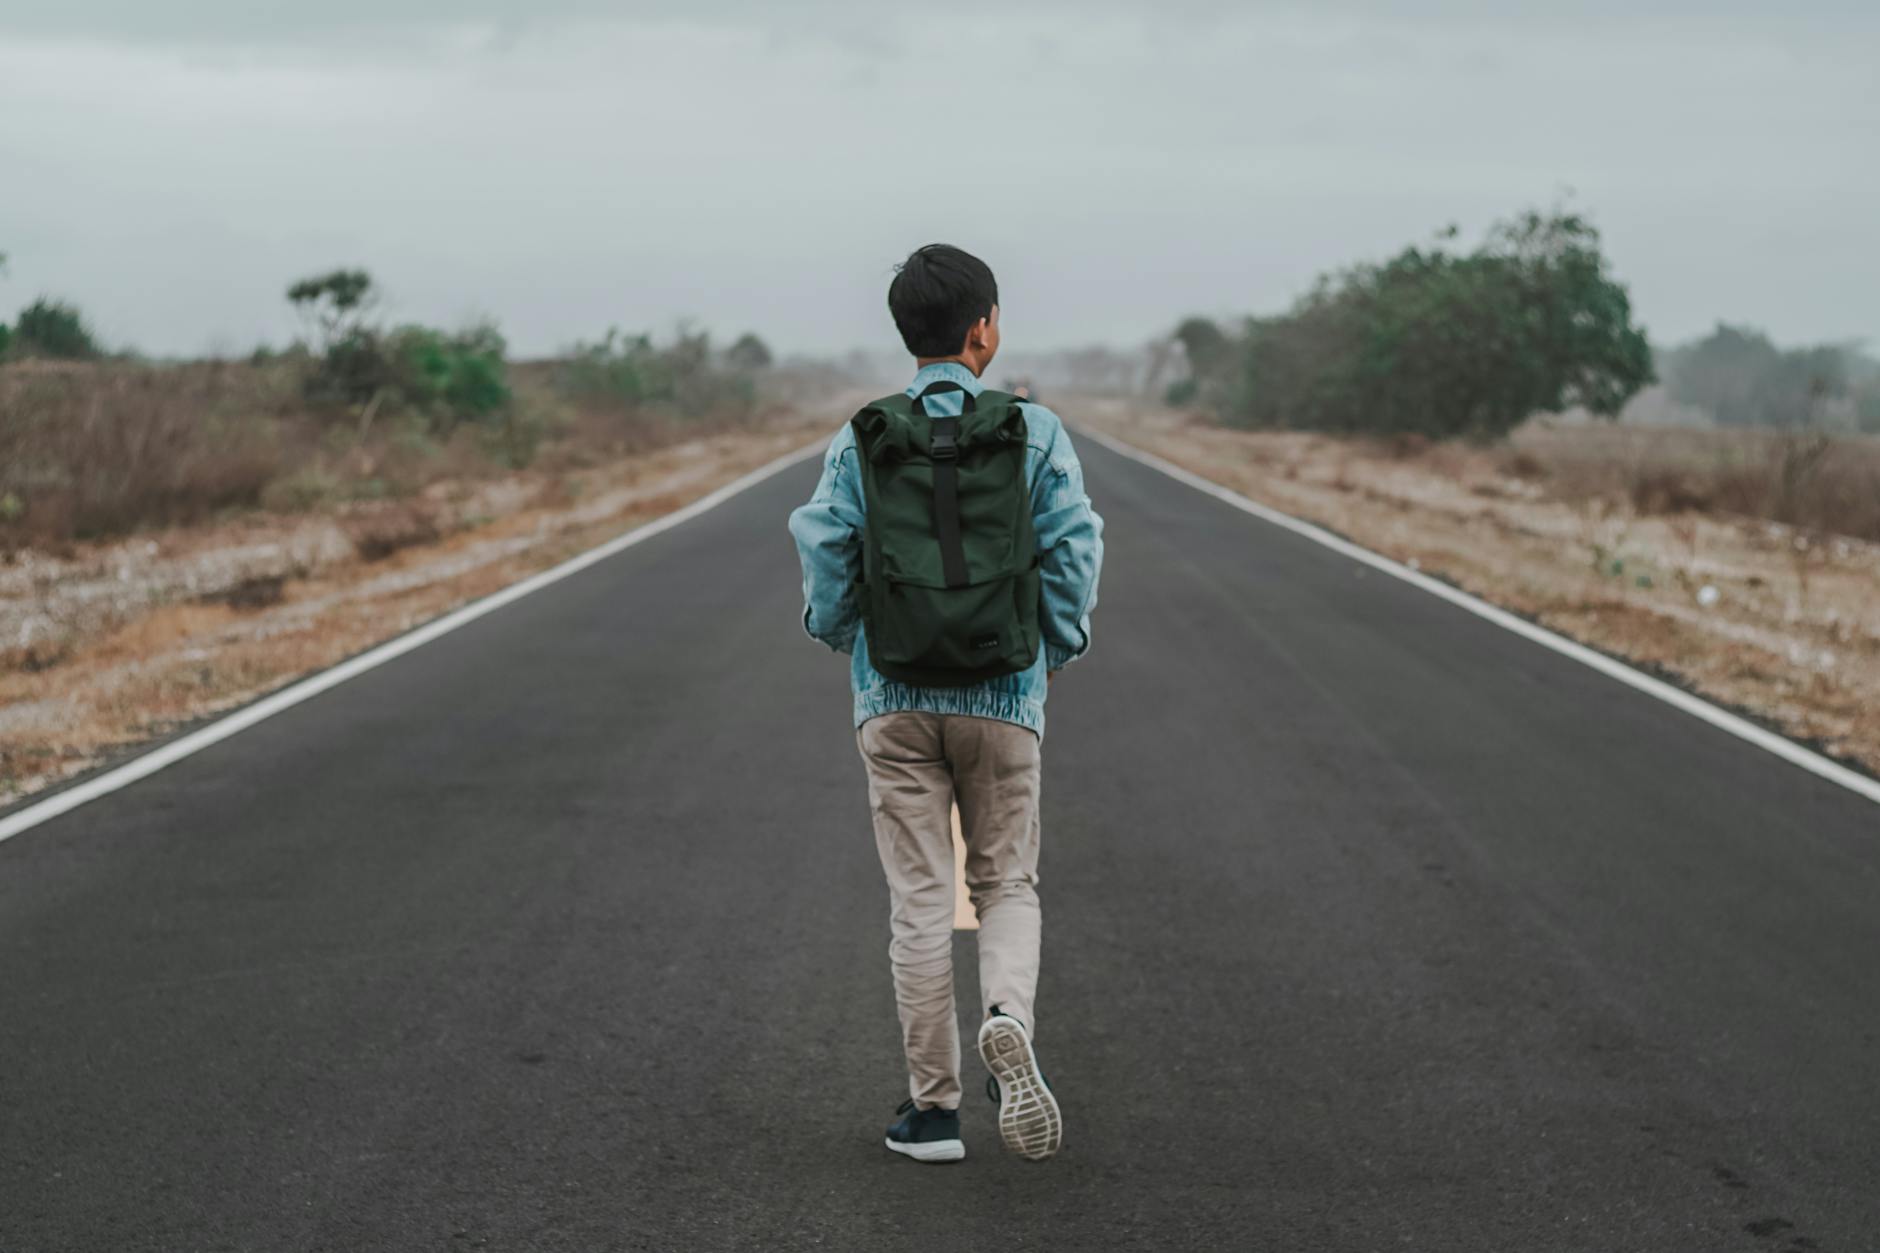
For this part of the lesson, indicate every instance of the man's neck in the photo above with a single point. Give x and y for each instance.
(921, 363)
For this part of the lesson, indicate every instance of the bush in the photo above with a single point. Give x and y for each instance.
(52, 328)
(631, 373)
(353, 370)
(749, 354)
(449, 378)
(1742, 379)
(6, 337)
(1436, 342)
(443, 377)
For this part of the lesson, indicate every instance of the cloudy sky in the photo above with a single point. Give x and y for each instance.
(565, 165)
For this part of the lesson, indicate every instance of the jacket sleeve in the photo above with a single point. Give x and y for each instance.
(1070, 544)
(828, 534)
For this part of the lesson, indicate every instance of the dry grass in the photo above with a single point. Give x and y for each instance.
(1827, 484)
(90, 450)
(1684, 550)
(95, 450)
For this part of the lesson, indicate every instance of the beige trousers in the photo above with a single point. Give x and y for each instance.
(919, 766)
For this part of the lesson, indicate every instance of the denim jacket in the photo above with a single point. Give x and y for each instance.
(828, 534)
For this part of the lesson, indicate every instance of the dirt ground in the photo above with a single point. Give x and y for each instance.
(1759, 616)
(105, 646)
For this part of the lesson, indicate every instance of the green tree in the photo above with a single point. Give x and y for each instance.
(1212, 356)
(445, 377)
(749, 354)
(337, 303)
(1742, 379)
(1206, 345)
(6, 332)
(1445, 343)
(53, 328)
(1863, 377)
(353, 366)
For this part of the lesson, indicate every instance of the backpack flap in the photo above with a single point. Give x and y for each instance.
(897, 427)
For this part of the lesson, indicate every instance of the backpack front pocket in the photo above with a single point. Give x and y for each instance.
(951, 635)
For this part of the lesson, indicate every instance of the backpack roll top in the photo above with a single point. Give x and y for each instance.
(950, 585)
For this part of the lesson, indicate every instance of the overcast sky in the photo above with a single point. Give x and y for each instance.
(565, 165)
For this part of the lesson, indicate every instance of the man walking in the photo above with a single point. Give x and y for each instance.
(951, 550)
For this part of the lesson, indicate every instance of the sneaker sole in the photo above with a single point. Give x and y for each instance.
(1029, 1120)
(931, 1151)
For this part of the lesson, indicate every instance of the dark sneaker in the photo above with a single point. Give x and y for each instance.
(927, 1135)
(1029, 1121)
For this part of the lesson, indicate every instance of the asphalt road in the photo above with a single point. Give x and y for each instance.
(1368, 926)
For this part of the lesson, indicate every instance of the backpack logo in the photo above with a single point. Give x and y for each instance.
(984, 641)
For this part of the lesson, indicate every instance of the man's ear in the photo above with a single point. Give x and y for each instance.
(977, 334)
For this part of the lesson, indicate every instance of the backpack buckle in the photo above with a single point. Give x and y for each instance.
(945, 446)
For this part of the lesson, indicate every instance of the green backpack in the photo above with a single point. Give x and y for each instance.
(949, 588)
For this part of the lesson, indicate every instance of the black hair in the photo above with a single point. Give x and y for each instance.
(936, 296)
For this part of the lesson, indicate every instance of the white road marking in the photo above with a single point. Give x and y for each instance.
(1787, 749)
(247, 716)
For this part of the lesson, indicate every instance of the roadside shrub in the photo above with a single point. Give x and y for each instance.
(1436, 342)
(352, 371)
(450, 378)
(1739, 376)
(681, 379)
(6, 337)
(614, 370)
(52, 328)
(444, 377)
(749, 354)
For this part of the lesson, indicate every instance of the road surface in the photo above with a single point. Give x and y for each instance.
(1368, 926)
